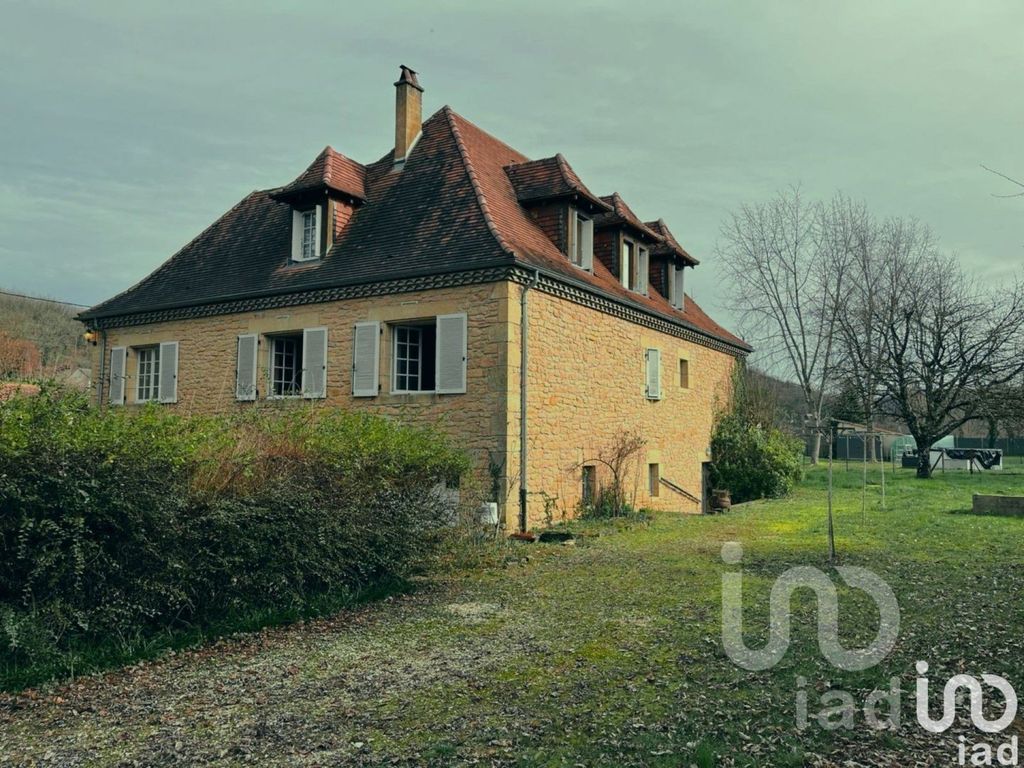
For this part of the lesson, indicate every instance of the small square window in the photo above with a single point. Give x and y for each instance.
(653, 479)
(684, 373)
(148, 385)
(286, 366)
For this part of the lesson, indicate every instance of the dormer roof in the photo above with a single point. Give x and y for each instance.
(622, 215)
(669, 246)
(551, 178)
(452, 210)
(330, 171)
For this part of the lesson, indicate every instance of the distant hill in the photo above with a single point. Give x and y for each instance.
(39, 339)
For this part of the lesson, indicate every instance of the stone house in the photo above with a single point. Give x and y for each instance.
(454, 281)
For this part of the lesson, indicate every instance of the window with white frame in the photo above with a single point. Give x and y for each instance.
(148, 379)
(675, 285)
(581, 240)
(306, 234)
(626, 263)
(414, 358)
(286, 365)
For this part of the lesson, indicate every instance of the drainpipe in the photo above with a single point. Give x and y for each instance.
(103, 368)
(523, 362)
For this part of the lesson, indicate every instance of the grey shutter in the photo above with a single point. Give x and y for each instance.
(296, 235)
(366, 359)
(245, 367)
(314, 362)
(642, 270)
(319, 220)
(588, 245)
(168, 372)
(676, 274)
(118, 356)
(680, 288)
(451, 354)
(654, 374)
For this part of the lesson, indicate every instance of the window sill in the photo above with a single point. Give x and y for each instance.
(413, 392)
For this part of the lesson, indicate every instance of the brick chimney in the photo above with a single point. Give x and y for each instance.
(408, 113)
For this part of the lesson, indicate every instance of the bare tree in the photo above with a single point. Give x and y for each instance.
(1009, 179)
(861, 351)
(618, 458)
(786, 262)
(947, 342)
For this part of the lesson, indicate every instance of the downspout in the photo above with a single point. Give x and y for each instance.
(102, 368)
(524, 360)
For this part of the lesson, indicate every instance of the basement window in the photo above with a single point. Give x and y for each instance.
(286, 365)
(589, 494)
(653, 479)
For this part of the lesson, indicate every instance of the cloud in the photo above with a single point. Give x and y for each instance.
(127, 128)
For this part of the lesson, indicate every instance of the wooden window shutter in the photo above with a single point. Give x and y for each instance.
(314, 363)
(296, 235)
(451, 354)
(319, 229)
(118, 358)
(366, 359)
(168, 372)
(642, 270)
(245, 367)
(677, 287)
(588, 245)
(653, 374)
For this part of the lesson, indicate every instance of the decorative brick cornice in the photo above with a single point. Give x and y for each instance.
(580, 295)
(550, 284)
(319, 296)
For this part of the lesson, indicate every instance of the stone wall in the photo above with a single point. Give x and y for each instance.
(586, 385)
(207, 356)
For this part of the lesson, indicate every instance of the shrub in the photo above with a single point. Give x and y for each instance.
(752, 461)
(115, 525)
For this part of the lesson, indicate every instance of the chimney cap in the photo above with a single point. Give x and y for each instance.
(408, 77)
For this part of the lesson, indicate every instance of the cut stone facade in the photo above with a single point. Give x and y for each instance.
(586, 385)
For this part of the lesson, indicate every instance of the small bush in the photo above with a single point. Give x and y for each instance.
(753, 462)
(116, 525)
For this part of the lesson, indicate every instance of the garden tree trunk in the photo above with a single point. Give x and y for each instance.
(924, 458)
(816, 449)
(993, 432)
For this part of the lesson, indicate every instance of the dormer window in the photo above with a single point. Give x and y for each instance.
(581, 240)
(306, 234)
(633, 266)
(675, 286)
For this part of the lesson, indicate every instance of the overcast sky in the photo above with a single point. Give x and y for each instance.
(126, 128)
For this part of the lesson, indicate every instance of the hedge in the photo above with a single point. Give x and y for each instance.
(116, 525)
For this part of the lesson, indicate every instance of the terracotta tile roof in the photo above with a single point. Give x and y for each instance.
(669, 244)
(550, 178)
(621, 214)
(330, 170)
(452, 208)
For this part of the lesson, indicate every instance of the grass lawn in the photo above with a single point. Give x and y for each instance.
(606, 653)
